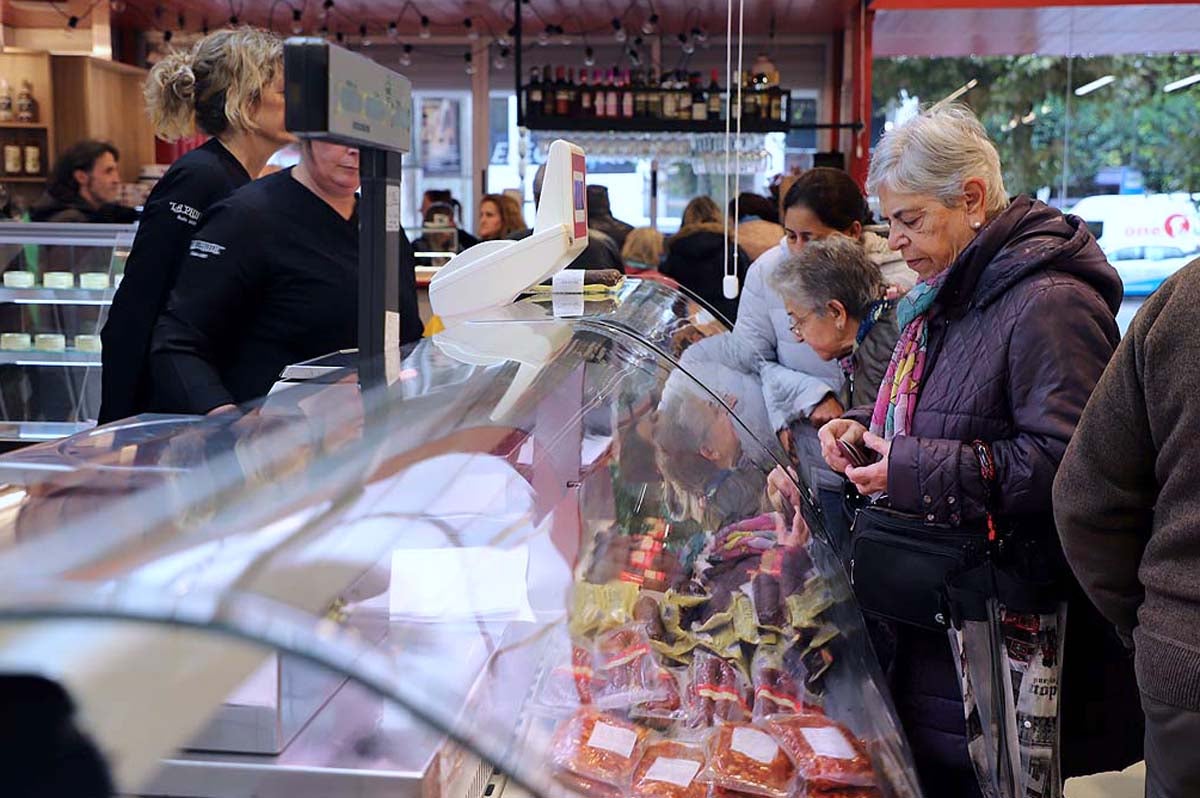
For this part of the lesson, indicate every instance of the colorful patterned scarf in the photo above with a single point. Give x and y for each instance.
(898, 392)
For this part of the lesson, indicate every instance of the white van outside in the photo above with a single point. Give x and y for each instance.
(1147, 238)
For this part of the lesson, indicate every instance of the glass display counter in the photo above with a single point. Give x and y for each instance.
(543, 550)
(58, 282)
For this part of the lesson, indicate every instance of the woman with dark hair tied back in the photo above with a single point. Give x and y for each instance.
(801, 389)
(696, 255)
(230, 86)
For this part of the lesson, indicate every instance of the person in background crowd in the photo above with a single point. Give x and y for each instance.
(499, 217)
(1001, 342)
(696, 256)
(600, 252)
(600, 216)
(757, 224)
(230, 86)
(444, 197)
(1125, 504)
(643, 251)
(438, 235)
(281, 257)
(84, 187)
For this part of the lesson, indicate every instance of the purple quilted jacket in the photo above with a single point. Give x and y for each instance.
(1019, 335)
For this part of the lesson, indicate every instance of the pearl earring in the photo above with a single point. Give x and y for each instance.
(976, 225)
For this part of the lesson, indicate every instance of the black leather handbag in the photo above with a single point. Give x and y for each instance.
(901, 565)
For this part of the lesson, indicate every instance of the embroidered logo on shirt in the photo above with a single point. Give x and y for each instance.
(185, 213)
(205, 249)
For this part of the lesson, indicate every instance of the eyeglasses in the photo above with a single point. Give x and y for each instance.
(798, 323)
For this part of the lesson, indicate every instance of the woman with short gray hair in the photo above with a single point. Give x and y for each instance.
(1001, 343)
(834, 295)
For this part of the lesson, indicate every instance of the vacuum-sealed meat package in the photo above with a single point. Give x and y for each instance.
(775, 689)
(745, 758)
(670, 769)
(716, 691)
(626, 671)
(826, 754)
(599, 746)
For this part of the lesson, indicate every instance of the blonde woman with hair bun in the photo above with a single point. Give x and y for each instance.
(229, 86)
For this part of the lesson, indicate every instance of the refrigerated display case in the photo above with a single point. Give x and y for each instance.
(58, 283)
(543, 548)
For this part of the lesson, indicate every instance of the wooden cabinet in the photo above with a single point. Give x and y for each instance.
(98, 99)
(16, 67)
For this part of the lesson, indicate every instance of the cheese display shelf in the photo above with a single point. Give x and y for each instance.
(57, 284)
(542, 548)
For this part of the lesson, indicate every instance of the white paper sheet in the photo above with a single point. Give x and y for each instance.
(459, 584)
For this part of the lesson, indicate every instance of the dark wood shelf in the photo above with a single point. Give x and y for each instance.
(537, 121)
(652, 125)
(23, 125)
(21, 179)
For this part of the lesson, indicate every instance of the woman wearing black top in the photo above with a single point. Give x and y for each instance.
(271, 279)
(230, 85)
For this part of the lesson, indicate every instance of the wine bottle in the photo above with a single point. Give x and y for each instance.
(585, 95)
(612, 97)
(628, 98)
(669, 99)
(562, 93)
(699, 100)
(549, 99)
(533, 104)
(714, 97)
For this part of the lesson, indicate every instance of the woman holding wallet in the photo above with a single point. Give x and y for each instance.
(1001, 343)
(230, 86)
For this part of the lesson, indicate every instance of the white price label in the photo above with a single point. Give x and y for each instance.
(568, 305)
(679, 772)
(568, 281)
(755, 744)
(613, 738)
(829, 742)
(391, 205)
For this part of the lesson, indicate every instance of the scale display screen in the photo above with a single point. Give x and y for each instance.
(335, 94)
(579, 193)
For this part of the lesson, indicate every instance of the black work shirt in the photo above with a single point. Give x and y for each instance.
(191, 186)
(270, 279)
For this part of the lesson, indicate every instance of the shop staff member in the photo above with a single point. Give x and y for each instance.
(230, 85)
(84, 187)
(271, 279)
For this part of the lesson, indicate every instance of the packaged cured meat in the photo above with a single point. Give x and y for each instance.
(769, 606)
(826, 754)
(598, 746)
(745, 758)
(625, 669)
(646, 612)
(661, 713)
(571, 680)
(775, 689)
(670, 769)
(842, 792)
(794, 570)
(716, 691)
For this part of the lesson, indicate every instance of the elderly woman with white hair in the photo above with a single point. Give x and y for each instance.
(1001, 343)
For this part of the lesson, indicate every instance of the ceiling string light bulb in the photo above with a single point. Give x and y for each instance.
(117, 6)
(619, 31)
(501, 59)
(687, 45)
(393, 30)
(406, 56)
(425, 32)
(543, 38)
(649, 25)
(472, 33)
(470, 66)
(233, 20)
(589, 56)
(167, 36)
(362, 32)
(506, 39)
(564, 37)
(297, 24)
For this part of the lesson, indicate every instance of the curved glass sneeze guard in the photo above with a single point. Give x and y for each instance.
(544, 539)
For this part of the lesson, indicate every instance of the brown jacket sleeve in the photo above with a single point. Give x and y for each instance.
(1105, 491)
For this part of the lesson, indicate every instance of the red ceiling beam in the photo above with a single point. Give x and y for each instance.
(925, 5)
